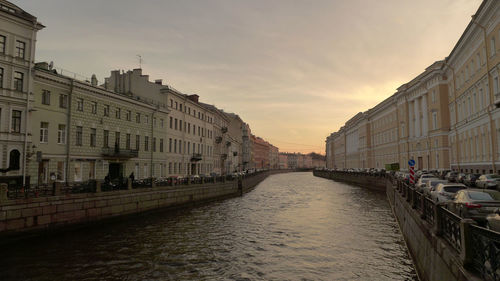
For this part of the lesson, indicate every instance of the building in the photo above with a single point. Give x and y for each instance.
(446, 117)
(17, 56)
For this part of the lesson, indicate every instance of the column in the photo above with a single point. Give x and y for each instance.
(411, 114)
(425, 125)
(417, 118)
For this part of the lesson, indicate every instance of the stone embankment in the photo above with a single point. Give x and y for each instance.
(35, 215)
(371, 181)
(443, 246)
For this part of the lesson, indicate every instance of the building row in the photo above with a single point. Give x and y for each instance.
(301, 161)
(54, 127)
(445, 118)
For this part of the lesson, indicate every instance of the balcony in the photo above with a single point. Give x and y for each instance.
(223, 156)
(196, 157)
(119, 153)
(228, 143)
(223, 130)
(218, 139)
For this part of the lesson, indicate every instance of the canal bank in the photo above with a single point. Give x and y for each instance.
(442, 245)
(33, 216)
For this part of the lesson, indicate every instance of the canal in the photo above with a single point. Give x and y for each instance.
(291, 227)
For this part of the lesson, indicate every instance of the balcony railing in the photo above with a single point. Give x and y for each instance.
(119, 153)
(196, 157)
(218, 139)
(223, 130)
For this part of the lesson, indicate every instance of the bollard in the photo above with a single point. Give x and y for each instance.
(98, 187)
(129, 184)
(467, 250)
(3, 192)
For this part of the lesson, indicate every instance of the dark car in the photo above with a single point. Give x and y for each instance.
(493, 221)
(451, 176)
(488, 181)
(461, 177)
(470, 179)
(474, 204)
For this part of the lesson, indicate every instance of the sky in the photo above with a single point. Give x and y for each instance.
(295, 70)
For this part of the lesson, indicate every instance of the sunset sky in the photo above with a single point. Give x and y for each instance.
(294, 70)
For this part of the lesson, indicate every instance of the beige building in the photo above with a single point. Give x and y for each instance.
(18, 30)
(446, 117)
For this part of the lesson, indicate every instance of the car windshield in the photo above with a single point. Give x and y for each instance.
(453, 189)
(476, 195)
(495, 176)
(434, 183)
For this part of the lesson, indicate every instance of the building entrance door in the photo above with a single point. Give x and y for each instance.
(193, 169)
(419, 163)
(115, 170)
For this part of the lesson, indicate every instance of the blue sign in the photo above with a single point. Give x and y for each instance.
(411, 162)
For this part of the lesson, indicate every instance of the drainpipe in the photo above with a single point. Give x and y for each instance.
(152, 137)
(26, 123)
(490, 108)
(68, 128)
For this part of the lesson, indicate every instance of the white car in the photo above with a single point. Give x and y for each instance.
(422, 182)
(431, 186)
(446, 192)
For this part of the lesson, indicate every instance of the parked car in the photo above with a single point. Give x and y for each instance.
(451, 176)
(422, 182)
(445, 192)
(488, 181)
(431, 185)
(493, 221)
(442, 173)
(470, 179)
(461, 177)
(474, 204)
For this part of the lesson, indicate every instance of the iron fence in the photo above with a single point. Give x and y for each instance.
(486, 252)
(450, 227)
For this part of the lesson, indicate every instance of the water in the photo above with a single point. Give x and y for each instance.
(291, 227)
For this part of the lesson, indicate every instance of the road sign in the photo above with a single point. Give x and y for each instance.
(411, 163)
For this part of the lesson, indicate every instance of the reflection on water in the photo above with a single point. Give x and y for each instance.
(291, 227)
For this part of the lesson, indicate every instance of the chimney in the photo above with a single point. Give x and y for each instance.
(158, 81)
(93, 80)
(194, 98)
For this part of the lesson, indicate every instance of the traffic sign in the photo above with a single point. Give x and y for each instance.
(411, 162)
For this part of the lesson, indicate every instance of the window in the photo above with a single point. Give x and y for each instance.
(79, 104)
(61, 134)
(79, 136)
(106, 110)
(117, 140)
(93, 136)
(44, 132)
(180, 107)
(434, 120)
(137, 142)
(128, 115)
(16, 121)
(93, 107)
(154, 145)
(45, 97)
(118, 113)
(2, 44)
(127, 141)
(105, 138)
(180, 125)
(146, 117)
(61, 171)
(175, 124)
(495, 85)
(1, 77)
(18, 81)
(63, 101)
(146, 143)
(14, 159)
(77, 172)
(171, 122)
(169, 145)
(20, 48)
(161, 123)
(138, 117)
(161, 145)
(154, 122)
(175, 146)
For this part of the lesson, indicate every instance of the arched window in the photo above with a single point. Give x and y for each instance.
(14, 159)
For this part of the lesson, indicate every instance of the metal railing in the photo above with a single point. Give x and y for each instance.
(485, 252)
(450, 227)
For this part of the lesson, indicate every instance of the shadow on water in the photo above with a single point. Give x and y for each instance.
(291, 227)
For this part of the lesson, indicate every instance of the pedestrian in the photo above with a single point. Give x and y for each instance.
(131, 177)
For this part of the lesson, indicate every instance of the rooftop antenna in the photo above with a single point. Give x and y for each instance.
(140, 61)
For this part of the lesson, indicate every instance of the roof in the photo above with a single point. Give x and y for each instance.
(11, 9)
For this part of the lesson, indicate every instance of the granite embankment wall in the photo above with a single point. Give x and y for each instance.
(33, 215)
(434, 258)
(375, 182)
